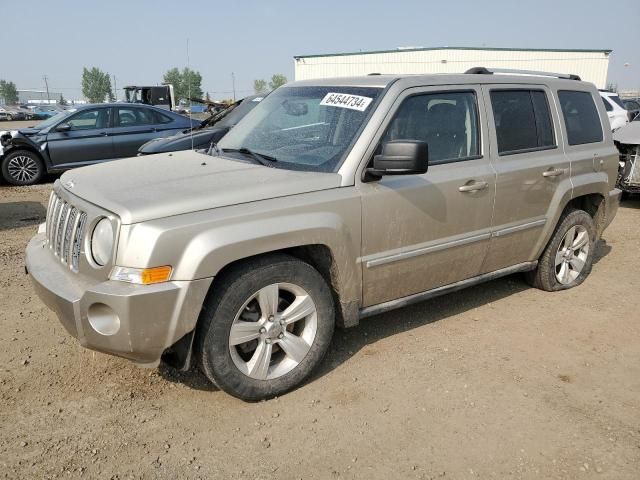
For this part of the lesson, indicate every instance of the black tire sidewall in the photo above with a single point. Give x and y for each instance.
(573, 218)
(5, 167)
(221, 309)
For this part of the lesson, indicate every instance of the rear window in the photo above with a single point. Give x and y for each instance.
(580, 117)
(607, 106)
(523, 121)
(616, 99)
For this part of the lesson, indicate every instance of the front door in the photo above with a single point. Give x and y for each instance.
(532, 170)
(88, 140)
(420, 232)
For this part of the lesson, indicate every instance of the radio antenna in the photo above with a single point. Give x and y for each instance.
(189, 94)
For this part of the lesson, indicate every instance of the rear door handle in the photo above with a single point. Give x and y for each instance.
(553, 172)
(104, 134)
(473, 187)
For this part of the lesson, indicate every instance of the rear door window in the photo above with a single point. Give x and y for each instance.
(134, 116)
(607, 106)
(580, 117)
(523, 121)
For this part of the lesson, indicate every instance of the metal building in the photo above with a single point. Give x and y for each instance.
(590, 65)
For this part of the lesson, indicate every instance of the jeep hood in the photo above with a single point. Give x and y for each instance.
(144, 188)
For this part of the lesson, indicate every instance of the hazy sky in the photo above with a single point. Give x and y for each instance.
(138, 41)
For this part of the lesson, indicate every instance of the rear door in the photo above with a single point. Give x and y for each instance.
(531, 166)
(88, 141)
(134, 126)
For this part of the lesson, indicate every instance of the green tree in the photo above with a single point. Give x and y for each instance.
(277, 80)
(186, 82)
(96, 85)
(62, 101)
(259, 87)
(8, 92)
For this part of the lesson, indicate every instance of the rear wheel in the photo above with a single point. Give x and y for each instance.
(568, 258)
(22, 167)
(266, 327)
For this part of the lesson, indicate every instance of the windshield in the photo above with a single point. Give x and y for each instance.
(304, 128)
(52, 120)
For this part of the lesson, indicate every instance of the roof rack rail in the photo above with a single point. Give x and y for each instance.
(487, 71)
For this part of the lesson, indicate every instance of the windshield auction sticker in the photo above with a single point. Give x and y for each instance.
(344, 100)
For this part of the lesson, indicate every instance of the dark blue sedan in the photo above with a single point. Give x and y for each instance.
(90, 134)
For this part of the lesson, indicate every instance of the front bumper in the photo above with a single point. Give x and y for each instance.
(150, 318)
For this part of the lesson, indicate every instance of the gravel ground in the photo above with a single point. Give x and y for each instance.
(498, 381)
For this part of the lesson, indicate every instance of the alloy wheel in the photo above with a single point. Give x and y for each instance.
(572, 254)
(23, 168)
(273, 331)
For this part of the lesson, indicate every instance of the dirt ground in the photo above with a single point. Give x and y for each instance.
(498, 381)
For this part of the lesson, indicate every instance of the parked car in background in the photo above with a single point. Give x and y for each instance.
(4, 115)
(42, 112)
(618, 116)
(633, 107)
(627, 139)
(210, 132)
(333, 200)
(12, 113)
(90, 134)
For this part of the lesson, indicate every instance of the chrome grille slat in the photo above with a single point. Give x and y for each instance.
(77, 241)
(56, 224)
(64, 215)
(66, 241)
(65, 230)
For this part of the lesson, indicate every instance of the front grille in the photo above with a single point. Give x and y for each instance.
(65, 230)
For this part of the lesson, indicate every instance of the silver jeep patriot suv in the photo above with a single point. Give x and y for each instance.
(331, 201)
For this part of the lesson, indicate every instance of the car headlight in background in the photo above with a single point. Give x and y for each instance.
(102, 242)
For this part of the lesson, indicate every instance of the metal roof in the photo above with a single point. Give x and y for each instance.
(422, 49)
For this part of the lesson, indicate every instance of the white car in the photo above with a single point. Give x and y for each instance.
(618, 115)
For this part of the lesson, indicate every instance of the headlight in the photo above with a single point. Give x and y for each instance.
(102, 242)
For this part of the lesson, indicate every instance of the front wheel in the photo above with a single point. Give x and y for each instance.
(22, 167)
(266, 327)
(567, 259)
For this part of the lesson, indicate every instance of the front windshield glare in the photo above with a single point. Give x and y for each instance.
(304, 128)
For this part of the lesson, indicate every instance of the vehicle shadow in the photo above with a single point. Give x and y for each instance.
(21, 214)
(631, 202)
(347, 343)
(193, 378)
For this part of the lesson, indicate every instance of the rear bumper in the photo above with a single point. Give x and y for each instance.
(612, 205)
(138, 322)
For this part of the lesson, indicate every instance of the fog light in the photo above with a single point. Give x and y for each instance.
(103, 319)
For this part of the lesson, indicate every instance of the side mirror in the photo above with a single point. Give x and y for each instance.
(63, 127)
(401, 157)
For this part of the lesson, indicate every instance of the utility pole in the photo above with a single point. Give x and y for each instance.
(115, 90)
(47, 85)
(233, 83)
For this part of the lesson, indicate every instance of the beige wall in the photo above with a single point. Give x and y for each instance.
(590, 66)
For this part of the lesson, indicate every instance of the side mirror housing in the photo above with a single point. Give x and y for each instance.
(63, 127)
(401, 157)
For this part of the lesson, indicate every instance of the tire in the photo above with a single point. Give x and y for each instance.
(22, 167)
(230, 346)
(9, 118)
(568, 257)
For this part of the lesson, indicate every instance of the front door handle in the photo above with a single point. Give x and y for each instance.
(553, 172)
(104, 134)
(473, 187)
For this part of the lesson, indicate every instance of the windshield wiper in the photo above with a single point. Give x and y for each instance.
(265, 160)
